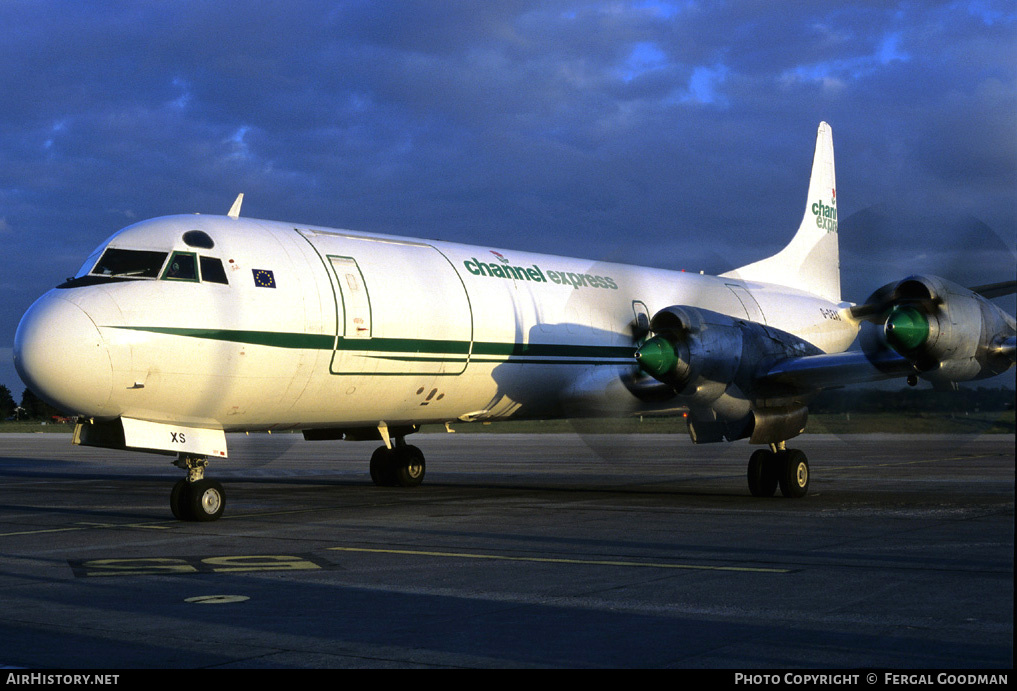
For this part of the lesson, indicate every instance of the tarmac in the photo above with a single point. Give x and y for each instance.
(518, 551)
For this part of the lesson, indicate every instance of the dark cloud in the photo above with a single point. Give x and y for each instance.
(668, 133)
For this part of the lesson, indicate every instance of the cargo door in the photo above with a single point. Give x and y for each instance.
(402, 308)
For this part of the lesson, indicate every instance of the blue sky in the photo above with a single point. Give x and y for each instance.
(672, 134)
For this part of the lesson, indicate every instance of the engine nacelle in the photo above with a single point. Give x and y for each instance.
(692, 348)
(948, 332)
(711, 361)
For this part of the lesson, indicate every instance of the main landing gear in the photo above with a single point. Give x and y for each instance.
(778, 465)
(196, 498)
(398, 465)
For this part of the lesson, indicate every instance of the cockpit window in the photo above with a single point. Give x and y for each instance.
(198, 238)
(212, 271)
(124, 265)
(182, 266)
(129, 263)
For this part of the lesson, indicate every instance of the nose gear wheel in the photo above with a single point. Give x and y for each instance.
(400, 466)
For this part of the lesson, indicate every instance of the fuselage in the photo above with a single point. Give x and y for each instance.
(252, 324)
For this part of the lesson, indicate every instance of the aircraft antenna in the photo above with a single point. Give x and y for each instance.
(235, 209)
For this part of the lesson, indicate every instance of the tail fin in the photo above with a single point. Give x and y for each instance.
(811, 261)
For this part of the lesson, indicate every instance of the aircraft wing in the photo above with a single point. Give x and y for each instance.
(995, 290)
(836, 369)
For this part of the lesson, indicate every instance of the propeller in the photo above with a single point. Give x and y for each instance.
(897, 317)
(621, 396)
(880, 244)
(904, 317)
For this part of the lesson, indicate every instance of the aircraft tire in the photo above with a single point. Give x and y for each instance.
(409, 466)
(177, 505)
(382, 467)
(762, 476)
(794, 475)
(203, 500)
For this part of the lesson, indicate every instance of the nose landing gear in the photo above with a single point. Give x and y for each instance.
(402, 465)
(196, 498)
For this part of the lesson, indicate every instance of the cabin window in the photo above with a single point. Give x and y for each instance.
(129, 263)
(198, 238)
(182, 266)
(212, 271)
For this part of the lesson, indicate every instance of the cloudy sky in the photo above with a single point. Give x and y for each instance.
(673, 134)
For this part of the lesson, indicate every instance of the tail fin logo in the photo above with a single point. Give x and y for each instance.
(826, 216)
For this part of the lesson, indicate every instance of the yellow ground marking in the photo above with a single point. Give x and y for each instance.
(165, 566)
(216, 599)
(88, 526)
(556, 560)
(919, 461)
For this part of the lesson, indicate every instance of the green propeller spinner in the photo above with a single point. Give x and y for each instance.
(906, 328)
(656, 357)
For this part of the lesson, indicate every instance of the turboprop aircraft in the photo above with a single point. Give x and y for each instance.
(179, 329)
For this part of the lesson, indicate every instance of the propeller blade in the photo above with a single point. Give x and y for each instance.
(875, 308)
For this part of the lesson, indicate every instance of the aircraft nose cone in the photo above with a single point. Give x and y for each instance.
(62, 358)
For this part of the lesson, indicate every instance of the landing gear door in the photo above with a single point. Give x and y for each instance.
(356, 302)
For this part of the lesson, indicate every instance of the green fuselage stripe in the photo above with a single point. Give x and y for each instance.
(273, 339)
(455, 350)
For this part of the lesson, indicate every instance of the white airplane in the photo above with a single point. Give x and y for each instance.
(179, 329)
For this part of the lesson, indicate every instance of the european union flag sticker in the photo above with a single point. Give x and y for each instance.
(263, 278)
